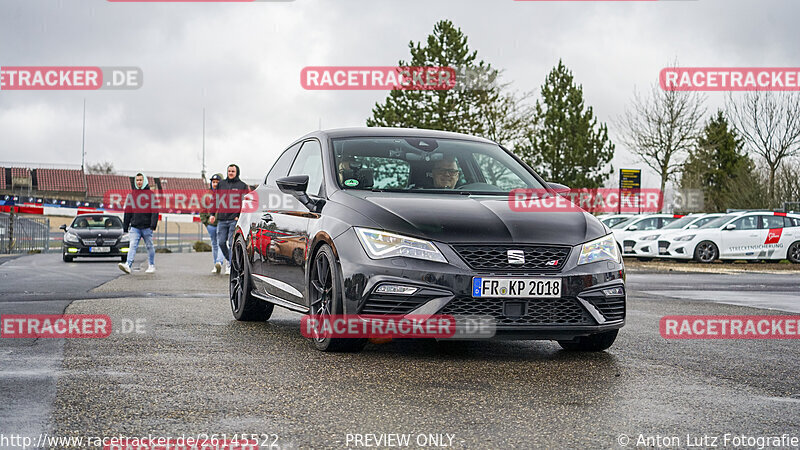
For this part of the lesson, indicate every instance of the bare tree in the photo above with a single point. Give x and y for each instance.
(101, 168)
(769, 123)
(661, 127)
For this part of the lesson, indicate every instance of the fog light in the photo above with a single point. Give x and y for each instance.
(124, 250)
(614, 292)
(72, 250)
(395, 289)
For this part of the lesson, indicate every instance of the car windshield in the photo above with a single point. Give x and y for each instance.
(95, 222)
(680, 223)
(626, 222)
(403, 164)
(719, 221)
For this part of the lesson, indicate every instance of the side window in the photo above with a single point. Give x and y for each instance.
(498, 174)
(792, 222)
(647, 224)
(668, 220)
(746, 223)
(281, 166)
(309, 162)
(770, 222)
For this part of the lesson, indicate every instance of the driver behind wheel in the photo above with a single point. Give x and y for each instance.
(445, 173)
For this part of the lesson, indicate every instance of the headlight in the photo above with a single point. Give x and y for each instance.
(125, 238)
(603, 249)
(688, 237)
(71, 237)
(381, 244)
(652, 237)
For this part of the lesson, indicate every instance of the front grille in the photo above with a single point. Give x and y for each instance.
(108, 242)
(392, 304)
(546, 311)
(495, 257)
(627, 246)
(663, 246)
(612, 308)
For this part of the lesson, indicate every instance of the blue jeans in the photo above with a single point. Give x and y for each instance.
(215, 252)
(147, 235)
(226, 229)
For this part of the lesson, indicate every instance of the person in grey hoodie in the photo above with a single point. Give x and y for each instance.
(226, 219)
(141, 224)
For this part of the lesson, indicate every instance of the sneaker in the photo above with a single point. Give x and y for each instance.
(217, 268)
(150, 269)
(124, 267)
(227, 269)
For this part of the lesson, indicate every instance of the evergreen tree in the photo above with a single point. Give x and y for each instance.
(567, 145)
(720, 167)
(459, 109)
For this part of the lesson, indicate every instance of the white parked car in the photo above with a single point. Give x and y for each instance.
(646, 242)
(745, 235)
(612, 219)
(626, 232)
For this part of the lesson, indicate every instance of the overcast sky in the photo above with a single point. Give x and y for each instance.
(242, 63)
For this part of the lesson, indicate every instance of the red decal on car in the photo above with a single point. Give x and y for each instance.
(774, 236)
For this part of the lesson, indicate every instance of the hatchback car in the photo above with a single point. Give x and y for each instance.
(648, 244)
(406, 221)
(626, 232)
(739, 236)
(95, 236)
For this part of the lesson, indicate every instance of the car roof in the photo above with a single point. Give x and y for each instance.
(393, 132)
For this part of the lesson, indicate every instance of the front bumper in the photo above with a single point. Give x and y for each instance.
(593, 295)
(676, 249)
(85, 251)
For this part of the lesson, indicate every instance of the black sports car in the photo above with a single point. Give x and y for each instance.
(93, 236)
(406, 221)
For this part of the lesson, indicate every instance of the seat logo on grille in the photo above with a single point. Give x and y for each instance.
(516, 257)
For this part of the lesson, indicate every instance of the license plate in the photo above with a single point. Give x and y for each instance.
(628, 249)
(516, 287)
(100, 249)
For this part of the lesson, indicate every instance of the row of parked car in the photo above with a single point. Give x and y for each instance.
(741, 235)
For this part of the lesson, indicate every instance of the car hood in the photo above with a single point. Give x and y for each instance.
(456, 218)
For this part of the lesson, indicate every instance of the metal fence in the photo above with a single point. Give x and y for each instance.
(23, 234)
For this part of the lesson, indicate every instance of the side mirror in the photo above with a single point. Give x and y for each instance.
(730, 227)
(296, 185)
(560, 189)
(633, 228)
(63, 227)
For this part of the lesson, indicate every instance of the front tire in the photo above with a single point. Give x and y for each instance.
(706, 252)
(793, 254)
(592, 343)
(244, 306)
(67, 258)
(325, 297)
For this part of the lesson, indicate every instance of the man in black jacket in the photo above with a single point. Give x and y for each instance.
(225, 218)
(142, 222)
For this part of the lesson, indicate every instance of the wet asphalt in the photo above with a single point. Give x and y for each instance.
(192, 370)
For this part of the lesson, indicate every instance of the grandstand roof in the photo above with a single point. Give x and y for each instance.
(60, 180)
(97, 185)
